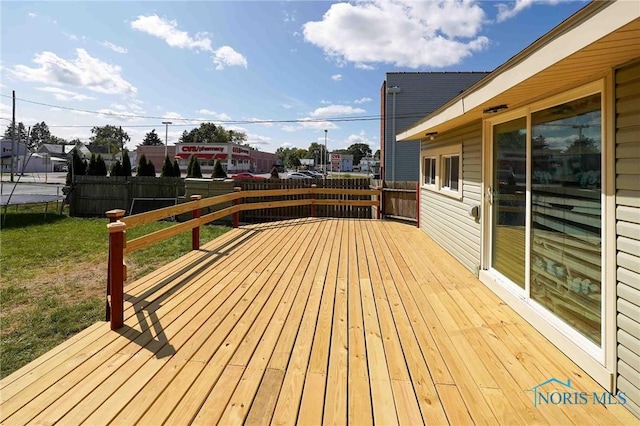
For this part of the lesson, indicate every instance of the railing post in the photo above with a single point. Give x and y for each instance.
(379, 188)
(116, 272)
(114, 216)
(195, 232)
(236, 215)
(418, 204)
(313, 197)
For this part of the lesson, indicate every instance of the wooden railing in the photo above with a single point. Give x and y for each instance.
(119, 246)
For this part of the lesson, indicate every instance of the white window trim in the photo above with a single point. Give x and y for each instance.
(431, 186)
(440, 153)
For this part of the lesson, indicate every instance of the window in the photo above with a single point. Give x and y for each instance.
(450, 172)
(442, 170)
(429, 167)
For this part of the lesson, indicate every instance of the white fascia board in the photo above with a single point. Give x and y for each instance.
(616, 15)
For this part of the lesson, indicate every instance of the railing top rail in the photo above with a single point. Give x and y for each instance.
(163, 213)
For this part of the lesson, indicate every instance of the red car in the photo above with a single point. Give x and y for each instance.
(246, 175)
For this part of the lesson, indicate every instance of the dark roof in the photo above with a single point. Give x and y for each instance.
(98, 149)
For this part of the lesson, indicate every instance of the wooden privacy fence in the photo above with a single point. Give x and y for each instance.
(93, 195)
(312, 197)
(400, 200)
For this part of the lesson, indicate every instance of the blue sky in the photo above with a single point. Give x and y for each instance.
(282, 71)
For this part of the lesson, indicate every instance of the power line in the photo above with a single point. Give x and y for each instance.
(203, 120)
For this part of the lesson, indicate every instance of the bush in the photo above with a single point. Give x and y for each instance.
(146, 168)
(176, 169)
(75, 167)
(167, 168)
(274, 173)
(116, 169)
(101, 166)
(126, 164)
(218, 171)
(193, 169)
(92, 169)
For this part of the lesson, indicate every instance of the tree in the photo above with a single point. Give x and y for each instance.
(101, 166)
(116, 169)
(211, 133)
(193, 168)
(21, 133)
(187, 137)
(151, 169)
(176, 169)
(142, 165)
(167, 168)
(218, 171)
(92, 169)
(359, 151)
(76, 167)
(40, 135)
(110, 136)
(376, 156)
(152, 139)
(316, 151)
(126, 163)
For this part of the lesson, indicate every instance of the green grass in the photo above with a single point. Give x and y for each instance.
(53, 277)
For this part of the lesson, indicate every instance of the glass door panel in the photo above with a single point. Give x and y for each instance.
(509, 200)
(566, 213)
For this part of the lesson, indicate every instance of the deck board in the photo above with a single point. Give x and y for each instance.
(310, 321)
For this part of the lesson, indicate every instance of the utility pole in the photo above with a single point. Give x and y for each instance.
(13, 134)
(166, 135)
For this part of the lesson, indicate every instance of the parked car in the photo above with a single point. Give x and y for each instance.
(246, 175)
(309, 173)
(297, 175)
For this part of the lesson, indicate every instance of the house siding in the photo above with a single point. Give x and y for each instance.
(628, 232)
(421, 93)
(446, 220)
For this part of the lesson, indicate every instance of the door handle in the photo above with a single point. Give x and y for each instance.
(490, 195)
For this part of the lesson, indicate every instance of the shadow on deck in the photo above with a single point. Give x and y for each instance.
(307, 321)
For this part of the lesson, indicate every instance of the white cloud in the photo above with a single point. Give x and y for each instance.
(362, 100)
(336, 110)
(288, 128)
(226, 57)
(404, 33)
(261, 121)
(84, 71)
(65, 95)
(173, 116)
(169, 32)
(310, 123)
(217, 115)
(114, 47)
(32, 15)
(359, 138)
(506, 12)
(336, 77)
(286, 106)
(71, 37)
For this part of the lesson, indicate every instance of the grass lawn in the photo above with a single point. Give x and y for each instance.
(53, 274)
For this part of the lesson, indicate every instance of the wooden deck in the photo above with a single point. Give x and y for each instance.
(312, 321)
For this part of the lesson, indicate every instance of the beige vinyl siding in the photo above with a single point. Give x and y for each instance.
(628, 232)
(446, 220)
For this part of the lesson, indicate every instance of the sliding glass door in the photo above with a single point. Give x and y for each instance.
(508, 199)
(558, 175)
(566, 219)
